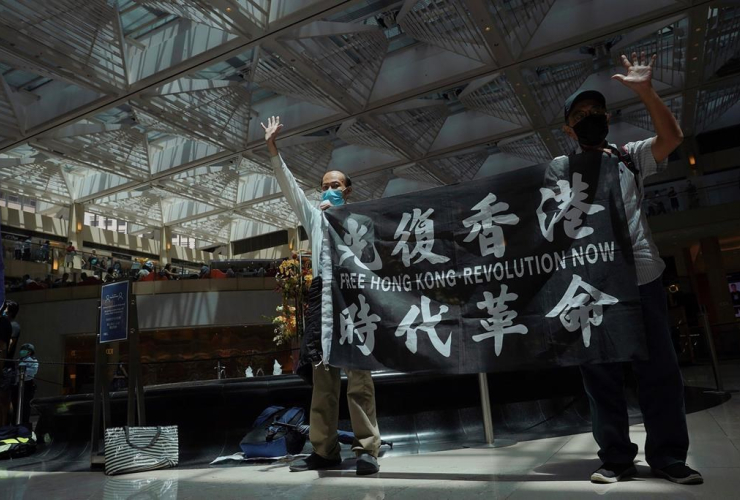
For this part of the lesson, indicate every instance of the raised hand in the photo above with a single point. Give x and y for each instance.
(639, 72)
(272, 128)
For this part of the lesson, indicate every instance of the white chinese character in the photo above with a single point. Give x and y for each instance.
(428, 325)
(356, 245)
(571, 205)
(358, 322)
(423, 229)
(485, 225)
(582, 310)
(501, 321)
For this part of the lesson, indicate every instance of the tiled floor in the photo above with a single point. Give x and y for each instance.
(551, 468)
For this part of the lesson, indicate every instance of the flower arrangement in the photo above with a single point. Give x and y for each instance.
(293, 279)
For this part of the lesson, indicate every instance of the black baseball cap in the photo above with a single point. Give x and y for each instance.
(580, 96)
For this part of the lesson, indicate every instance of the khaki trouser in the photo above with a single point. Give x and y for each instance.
(325, 411)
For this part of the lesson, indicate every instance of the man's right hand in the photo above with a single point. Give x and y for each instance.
(272, 128)
(271, 131)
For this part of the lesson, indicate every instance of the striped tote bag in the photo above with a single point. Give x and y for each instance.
(138, 449)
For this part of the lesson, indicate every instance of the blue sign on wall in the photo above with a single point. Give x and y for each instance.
(114, 312)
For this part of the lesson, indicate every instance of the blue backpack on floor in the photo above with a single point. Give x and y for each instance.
(269, 439)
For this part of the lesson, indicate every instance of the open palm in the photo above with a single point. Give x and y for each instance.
(639, 72)
(272, 128)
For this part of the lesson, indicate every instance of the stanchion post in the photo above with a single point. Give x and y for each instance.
(712, 351)
(485, 401)
(21, 391)
(136, 404)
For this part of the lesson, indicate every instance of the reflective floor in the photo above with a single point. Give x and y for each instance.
(550, 468)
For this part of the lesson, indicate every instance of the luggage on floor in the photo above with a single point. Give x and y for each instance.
(268, 438)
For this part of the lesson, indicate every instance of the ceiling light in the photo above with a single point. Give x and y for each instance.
(488, 28)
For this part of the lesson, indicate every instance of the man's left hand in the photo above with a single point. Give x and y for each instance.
(639, 72)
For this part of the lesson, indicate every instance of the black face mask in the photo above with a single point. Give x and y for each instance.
(592, 130)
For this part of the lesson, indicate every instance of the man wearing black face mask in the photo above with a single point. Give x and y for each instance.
(659, 378)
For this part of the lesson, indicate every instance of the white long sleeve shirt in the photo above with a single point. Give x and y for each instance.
(310, 217)
(314, 222)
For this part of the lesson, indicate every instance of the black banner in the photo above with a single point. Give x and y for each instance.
(522, 270)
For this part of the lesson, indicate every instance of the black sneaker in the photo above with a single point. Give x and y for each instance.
(679, 473)
(611, 473)
(367, 464)
(314, 462)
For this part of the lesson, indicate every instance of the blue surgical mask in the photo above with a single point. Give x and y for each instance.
(333, 196)
(24, 353)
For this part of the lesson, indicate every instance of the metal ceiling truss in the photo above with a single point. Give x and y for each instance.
(216, 229)
(11, 113)
(77, 39)
(246, 18)
(552, 84)
(409, 128)
(215, 110)
(566, 144)
(124, 151)
(274, 73)
(360, 133)
(275, 212)
(722, 40)
(44, 176)
(529, 147)
(641, 118)
(370, 187)
(213, 184)
(347, 55)
(249, 166)
(448, 24)
(307, 157)
(494, 95)
(518, 20)
(417, 173)
(143, 208)
(715, 102)
(155, 125)
(462, 167)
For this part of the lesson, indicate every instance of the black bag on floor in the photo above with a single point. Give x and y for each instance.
(269, 439)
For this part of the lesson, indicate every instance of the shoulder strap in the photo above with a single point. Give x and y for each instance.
(626, 159)
(266, 414)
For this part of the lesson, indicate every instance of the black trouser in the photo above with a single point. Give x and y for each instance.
(29, 390)
(660, 390)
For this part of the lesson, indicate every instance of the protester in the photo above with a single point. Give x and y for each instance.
(324, 417)
(659, 378)
(230, 272)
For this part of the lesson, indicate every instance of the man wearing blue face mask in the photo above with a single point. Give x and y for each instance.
(659, 378)
(336, 187)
